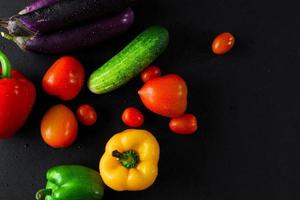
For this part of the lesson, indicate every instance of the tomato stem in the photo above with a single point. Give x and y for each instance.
(128, 159)
(5, 65)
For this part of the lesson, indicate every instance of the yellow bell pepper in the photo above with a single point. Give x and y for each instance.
(130, 160)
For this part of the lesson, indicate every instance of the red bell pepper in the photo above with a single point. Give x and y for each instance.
(17, 96)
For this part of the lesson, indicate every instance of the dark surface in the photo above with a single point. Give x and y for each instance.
(247, 103)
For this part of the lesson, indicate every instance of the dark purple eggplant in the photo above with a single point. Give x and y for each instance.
(62, 14)
(76, 38)
(37, 4)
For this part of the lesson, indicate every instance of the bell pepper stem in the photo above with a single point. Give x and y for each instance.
(5, 65)
(41, 194)
(128, 159)
(117, 154)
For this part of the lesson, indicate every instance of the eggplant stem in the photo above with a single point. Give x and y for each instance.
(7, 36)
(3, 23)
(20, 41)
(22, 12)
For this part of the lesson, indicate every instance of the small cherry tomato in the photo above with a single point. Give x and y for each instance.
(150, 73)
(87, 115)
(59, 127)
(133, 117)
(64, 78)
(223, 43)
(165, 95)
(185, 124)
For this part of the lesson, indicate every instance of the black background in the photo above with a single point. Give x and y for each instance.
(247, 103)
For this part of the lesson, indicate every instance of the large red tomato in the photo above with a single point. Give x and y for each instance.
(64, 78)
(166, 95)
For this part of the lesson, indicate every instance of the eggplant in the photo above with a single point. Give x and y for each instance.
(62, 14)
(71, 39)
(37, 4)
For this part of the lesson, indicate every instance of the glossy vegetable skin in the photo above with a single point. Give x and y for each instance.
(150, 73)
(86, 114)
(185, 124)
(17, 97)
(133, 117)
(72, 182)
(165, 95)
(62, 14)
(223, 43)
(130, 160)
(87, 35)
(59, 127)
(130, 61)
(64, 78)
(37, 4)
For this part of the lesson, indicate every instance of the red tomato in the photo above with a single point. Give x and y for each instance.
(223, 43)
(166, 95)
(59, 127)
(133, 117)
(64, 78)
(150, 73)
(185, 124)
(87, 115)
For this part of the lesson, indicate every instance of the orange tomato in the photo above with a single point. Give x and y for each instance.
(166, 95)
(59, 127)
(223, 43)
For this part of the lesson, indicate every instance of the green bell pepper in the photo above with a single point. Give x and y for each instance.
(72, 182)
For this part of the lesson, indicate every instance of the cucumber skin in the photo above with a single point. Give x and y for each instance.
(130, 61)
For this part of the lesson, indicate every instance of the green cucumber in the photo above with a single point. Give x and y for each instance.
(130, 61)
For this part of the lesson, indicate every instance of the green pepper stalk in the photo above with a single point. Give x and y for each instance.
(41, 194)
(5, 65)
